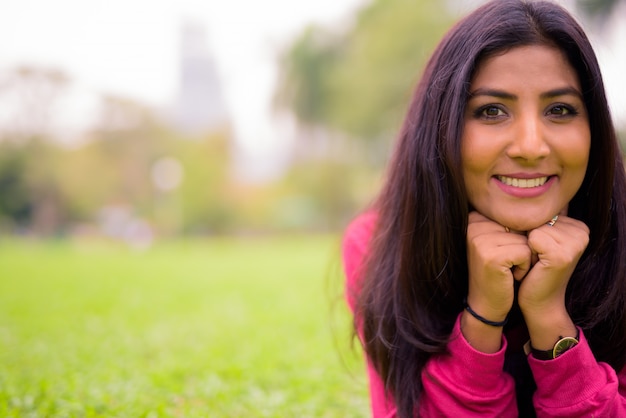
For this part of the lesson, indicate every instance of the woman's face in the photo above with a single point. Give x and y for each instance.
(526, 137)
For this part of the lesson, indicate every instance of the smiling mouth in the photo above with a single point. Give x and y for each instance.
(523, 183)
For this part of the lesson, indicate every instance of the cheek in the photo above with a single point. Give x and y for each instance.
(475, 167)
(480, 142)
(578, 170)
(477, 156)
(575, 156)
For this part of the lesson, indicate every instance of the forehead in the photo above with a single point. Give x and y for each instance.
(525, 66)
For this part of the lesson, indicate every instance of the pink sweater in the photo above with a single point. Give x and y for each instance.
(469, 383)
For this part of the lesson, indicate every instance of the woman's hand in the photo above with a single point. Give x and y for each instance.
(556, 250)
(495, 259)
(543, 260)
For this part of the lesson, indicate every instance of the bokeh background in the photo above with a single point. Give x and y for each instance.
(174, 179)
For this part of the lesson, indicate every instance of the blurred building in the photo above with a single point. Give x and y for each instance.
(200, 105)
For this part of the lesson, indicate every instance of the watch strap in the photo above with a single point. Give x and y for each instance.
(561, 346)
(542, 354)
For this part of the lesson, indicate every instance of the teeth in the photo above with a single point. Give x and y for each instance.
(523, 183)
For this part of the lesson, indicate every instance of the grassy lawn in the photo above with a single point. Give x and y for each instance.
(214, 328)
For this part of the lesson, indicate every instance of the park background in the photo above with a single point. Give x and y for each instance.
(174, 181)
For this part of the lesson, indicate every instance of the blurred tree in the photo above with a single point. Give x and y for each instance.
(599, 10)
(114, 169)
(381, 62)
(359, 82)
(305, 76)
(16, 203)
(31, 199)
(208, 190)
(349, 91)
(46, 188)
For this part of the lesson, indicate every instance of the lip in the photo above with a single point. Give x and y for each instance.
(525, 193)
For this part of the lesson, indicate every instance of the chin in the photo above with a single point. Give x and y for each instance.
(524, 224)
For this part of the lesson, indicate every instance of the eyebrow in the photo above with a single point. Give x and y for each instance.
(501, 94)
(565, 91)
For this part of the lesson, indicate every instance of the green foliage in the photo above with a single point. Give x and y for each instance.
(305, 88)
(359, 82)
(325, 195)
(385, 54)
(219, 328)
(46, 188)
(347, 88)
(598, 9)
(30, 193)
(15, 204)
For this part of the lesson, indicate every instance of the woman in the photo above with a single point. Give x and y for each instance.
(489, 278)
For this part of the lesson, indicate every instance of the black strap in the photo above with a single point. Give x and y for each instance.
(484, 320)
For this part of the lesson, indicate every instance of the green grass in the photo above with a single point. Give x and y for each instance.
(214, 328)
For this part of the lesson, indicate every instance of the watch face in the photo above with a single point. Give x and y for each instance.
(563, 345)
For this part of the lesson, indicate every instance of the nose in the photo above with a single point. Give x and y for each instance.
(529, 141)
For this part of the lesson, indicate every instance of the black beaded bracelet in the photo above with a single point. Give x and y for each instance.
(484, 320)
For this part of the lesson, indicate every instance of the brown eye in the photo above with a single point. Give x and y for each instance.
(490, 112)
(559, 110)
(562, 111)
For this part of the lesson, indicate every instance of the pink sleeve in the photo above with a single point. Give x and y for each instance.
(576, 385)
(467, 383)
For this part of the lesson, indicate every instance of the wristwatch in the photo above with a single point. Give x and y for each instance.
(561, 346)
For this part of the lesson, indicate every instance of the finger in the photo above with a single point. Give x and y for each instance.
(534, 258)
(543, 240)
(509, 257)
(559, 246)
(566, 221)
(486, 242)
(564, 231)
(521, 262)
(521, 270)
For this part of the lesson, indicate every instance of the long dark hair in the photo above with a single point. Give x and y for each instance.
(416, 273)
